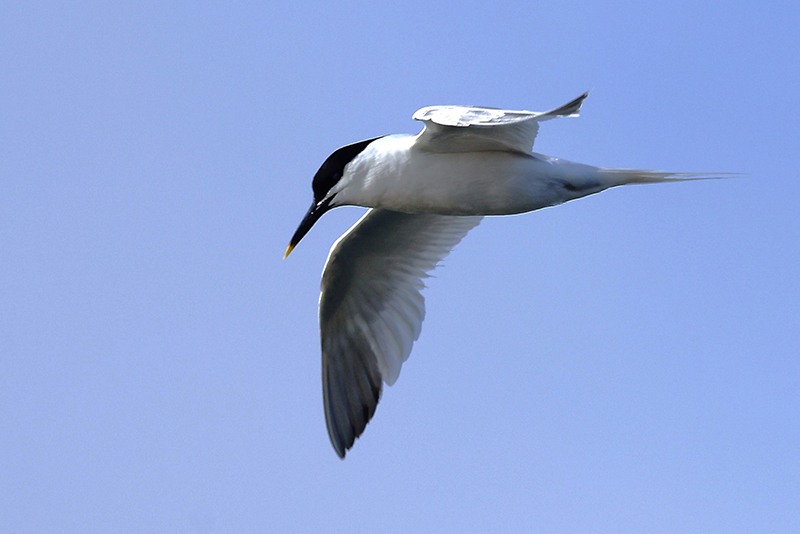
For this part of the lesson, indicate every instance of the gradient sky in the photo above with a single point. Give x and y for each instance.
(625, 363)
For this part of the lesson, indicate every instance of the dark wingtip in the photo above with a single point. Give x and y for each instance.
(349, 402)
(572, 107)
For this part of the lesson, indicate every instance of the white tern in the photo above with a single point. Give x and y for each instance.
(425, 192)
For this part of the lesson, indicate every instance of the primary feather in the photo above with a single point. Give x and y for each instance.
(371, 309)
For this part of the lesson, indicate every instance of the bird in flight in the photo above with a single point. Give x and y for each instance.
(426, 192)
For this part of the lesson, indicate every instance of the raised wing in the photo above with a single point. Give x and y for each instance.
(371, 309)
(468, 129)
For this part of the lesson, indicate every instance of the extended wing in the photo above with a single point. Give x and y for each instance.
(468, 129)
(371, 309)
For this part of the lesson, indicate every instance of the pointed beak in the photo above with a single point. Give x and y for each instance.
(312, 215)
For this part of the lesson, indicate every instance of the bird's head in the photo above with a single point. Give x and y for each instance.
(326, 184)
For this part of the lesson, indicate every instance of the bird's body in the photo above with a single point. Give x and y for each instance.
(427, 191)
(393, 173)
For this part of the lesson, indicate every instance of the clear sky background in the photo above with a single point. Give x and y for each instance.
(625, 363)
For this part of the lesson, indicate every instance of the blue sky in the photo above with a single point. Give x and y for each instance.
(629, 362)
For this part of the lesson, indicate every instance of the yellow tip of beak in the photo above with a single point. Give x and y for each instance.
(289, 250)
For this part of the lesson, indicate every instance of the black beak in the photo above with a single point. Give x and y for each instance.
(312, 215)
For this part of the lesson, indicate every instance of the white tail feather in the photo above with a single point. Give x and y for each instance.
(637, 176)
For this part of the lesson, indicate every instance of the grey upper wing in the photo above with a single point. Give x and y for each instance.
(463, 129)
(371, 309)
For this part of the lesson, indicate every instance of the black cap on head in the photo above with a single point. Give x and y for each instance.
(327, 176)
(332, 170)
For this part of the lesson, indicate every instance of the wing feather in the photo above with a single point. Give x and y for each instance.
(467, 129)
(371, 309)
